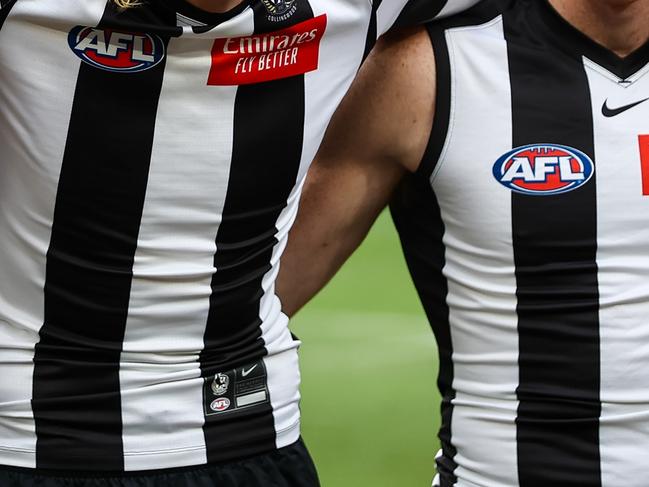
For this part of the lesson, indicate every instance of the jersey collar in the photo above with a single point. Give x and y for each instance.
(575, 43)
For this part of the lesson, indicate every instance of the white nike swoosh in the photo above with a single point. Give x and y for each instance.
(245, 372)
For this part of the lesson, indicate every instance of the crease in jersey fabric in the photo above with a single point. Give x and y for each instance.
(555, 246)
(267, 150)
(76, 388)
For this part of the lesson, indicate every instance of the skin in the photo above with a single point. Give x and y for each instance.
(217, 7)
(595, 18)
(380, 132)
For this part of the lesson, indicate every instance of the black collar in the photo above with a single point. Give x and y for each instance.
(188, 10)
(575, 43)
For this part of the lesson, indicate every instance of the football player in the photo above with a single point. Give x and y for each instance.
(515, 152)
(152, 155)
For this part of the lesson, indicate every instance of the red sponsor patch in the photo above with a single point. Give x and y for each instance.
(267, 57)
(644, 161)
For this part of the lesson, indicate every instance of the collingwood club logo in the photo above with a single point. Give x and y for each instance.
(220, 384)
(279, 10)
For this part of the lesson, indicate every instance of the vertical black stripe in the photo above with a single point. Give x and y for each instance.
(267, 150)
(414, 12)
(442, 116)
(372, 32)
(556, 274)
(76, 390)
(5, 7)
(419, 11)
(417, 217)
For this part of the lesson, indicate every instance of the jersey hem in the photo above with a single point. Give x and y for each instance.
(192, 456)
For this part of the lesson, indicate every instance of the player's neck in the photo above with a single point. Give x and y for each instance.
(619, 25)
(215, 6)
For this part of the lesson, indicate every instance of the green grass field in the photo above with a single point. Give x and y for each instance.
(370, 406)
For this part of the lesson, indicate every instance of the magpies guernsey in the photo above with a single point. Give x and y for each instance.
(151, 161)
(527, 234)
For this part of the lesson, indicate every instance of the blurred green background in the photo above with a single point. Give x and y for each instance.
(369, 401)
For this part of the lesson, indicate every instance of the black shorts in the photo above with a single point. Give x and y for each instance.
(287, 467)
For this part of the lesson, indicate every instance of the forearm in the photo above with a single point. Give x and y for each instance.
(329, 228)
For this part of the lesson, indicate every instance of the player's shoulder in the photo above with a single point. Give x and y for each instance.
(404, 41)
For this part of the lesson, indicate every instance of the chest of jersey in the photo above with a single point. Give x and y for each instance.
(540, 150)
(541, 205)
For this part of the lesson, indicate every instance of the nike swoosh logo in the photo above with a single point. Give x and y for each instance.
(245, 372)
(612, 112)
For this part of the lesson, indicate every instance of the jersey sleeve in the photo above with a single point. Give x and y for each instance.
(403, 13)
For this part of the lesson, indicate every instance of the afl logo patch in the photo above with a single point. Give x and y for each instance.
(220, 405)
(115, 51)
(543, 169)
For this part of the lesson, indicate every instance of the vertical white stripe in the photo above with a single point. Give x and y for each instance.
(38, 76)
(476, 211)
(162, 400)
(623, 262)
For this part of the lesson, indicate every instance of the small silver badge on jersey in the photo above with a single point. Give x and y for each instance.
(543, 169)
(220, 384)
(110, 50)
(236, 389)
(280, 10)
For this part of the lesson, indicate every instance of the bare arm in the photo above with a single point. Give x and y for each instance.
(379, 132)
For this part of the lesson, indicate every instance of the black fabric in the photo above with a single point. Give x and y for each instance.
(76, 387)
(555, 247)
(556, 31)
(442, 115)
(419, 11)
(418, 220)
(5, 7)
(209, 18)
(372, 32)
(287, 467)
(266, 154)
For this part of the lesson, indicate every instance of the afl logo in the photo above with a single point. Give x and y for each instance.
(220, 405)
(543, 169)
(116, 51)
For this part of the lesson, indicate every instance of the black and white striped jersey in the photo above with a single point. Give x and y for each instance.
(151, 162)
(527, 235)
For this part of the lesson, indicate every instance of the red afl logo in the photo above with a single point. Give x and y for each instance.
(543, 169)
(220, 404)
(116, 51)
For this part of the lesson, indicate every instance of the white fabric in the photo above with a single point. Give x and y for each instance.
(623, 263)
(479, 259)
